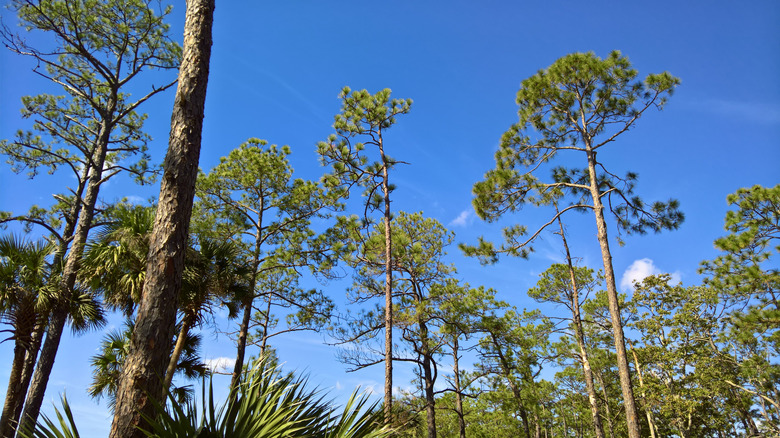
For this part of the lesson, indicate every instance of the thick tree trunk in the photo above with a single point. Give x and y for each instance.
(388, 288)
(579, 334)
(59, 315)
(28, 367)
(13, 394)
(141, 377)
(612, 296)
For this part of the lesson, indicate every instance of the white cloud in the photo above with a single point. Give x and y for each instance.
(220, 364)
(464, 218)
(761, 112)
(639, 270)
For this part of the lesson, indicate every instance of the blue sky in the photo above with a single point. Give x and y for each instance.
(277, 68)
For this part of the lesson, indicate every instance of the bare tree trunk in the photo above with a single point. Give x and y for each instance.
(388, 288)
(141, 378)
(243, 330)
(648, 411)
(606, 406)
(14, 393)
(458, 389)
(612, 296)
(186, 323)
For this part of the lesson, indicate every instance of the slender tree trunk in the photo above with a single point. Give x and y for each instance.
(429, 379)
(458, 389)
(607, 409)
(612, 296)
(579, 334)
(59, 315)
(266, 323)
(141, 378)
(186, 323)
(243, 330)
(648, 411)
(388, 289)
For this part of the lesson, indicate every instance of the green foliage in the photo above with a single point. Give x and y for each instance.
(578, 104)
(361, 123)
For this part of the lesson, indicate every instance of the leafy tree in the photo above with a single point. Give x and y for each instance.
(578, 105)
(418, 249)
(250, 197)
(569, 285)
(94, 130)
(362, 122)
(140, 382)
(748, 282)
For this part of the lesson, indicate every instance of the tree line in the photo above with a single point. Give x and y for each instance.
(669, 360)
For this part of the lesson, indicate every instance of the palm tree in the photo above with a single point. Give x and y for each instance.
(107, 366)
(115, 261)
(24, 272)
(213, 275)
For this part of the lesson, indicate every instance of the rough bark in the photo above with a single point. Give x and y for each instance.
(14, 391)
(141, 377)
(612, 296)
(388, 288)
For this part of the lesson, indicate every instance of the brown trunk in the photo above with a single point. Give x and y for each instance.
(27, 372)
(388, 289)
(429, 379)
(606, 406)
(612, 296)
(243, 330)
(14, 393)
(142, 374)
(185, 328)
(579, 334)
(266, 323)
(458, 389)
(59, 315)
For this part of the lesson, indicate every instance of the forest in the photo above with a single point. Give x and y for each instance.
(250, 251)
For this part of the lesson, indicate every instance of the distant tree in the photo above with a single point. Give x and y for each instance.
(748, 280)
(579, 104)
(100, 47)
(362, 122)
(141, 379)
(251, 198)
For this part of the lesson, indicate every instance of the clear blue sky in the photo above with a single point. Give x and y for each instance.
(277, 68)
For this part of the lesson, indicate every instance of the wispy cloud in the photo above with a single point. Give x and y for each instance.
(220, 364)
(760, 112)
(641, 269)
(465, 217)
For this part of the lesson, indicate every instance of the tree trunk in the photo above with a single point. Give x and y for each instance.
(429, 379)
(141, 378)
(59, 315)
(648, 411)
(458, 389)
(606, 406)
(579, 334)
(612, 295)
(243, 330)
(13, 395)
(28, 368)
(388, 288)
(186, 323)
